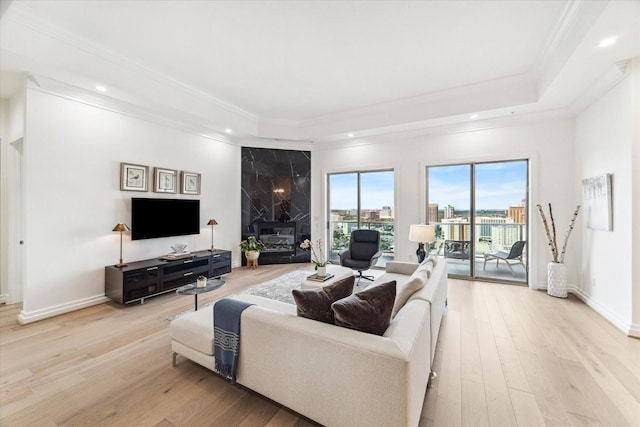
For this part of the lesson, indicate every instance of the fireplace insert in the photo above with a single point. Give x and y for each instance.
(277, 237)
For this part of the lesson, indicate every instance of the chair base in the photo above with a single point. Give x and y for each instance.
(362, 276)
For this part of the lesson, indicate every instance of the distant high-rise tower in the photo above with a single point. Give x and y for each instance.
(517, 214)
(449, 211)
(432, 215)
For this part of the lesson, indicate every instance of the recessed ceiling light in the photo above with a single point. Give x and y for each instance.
(473, 116)
(608, 41)
(101, 88)
(350, 135)
(228, 130)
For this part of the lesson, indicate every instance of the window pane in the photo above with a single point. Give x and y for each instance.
(343, 211)
(500, 219)
(449, 209)
(377, 210)
(375, 190)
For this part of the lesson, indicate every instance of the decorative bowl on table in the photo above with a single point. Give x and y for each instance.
(179, 248)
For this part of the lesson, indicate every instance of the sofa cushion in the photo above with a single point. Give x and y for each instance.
(427, 267)
(415, 283)
(316, 303)
(367, 311)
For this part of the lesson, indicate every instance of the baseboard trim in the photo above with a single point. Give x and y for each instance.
(44, 313)
(634, 331)
(628, 328)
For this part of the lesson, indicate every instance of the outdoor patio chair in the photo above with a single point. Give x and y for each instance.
(515, 254)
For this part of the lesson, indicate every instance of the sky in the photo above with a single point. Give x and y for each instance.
(498, 185)
(377, 190)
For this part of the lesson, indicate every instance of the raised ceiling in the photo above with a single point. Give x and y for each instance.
(320, 69)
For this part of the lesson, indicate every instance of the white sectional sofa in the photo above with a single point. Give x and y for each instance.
(333, 375)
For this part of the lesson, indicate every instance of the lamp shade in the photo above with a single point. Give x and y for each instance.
(212, 222)
(121, 227)
(422, 233)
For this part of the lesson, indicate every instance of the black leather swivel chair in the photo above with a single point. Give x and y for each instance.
(363, 251)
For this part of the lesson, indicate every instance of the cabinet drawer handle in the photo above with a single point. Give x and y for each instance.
(216, 256)
(152, 268)
(187, 274)
(187, 261)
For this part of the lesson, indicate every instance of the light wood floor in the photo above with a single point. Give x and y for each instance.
(507, 356)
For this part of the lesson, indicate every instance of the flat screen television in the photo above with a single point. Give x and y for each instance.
(152, 218)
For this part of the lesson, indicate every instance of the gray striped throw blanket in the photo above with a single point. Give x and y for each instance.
(226, 335)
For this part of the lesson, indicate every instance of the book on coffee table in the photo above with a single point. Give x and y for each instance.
(317, 278)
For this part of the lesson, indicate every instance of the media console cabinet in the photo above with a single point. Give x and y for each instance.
(143, 279)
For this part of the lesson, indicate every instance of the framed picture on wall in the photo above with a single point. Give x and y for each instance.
(165, 180)
(190, 183)
(133, 177)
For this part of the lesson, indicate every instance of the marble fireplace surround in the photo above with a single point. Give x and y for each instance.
(276, 188)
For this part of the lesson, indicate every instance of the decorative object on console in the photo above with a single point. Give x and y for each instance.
(556, 270)
(201, 282)
(165, 180)
(121, 228)
(179, 248)
(190, 183)
(133, 177)
(212, 222)
(422, 234)
(317, 255)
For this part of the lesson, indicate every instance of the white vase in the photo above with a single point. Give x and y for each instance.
(322, 271)
(252, 254)
(557, 276)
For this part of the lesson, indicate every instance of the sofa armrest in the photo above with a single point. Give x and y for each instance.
(400, 267)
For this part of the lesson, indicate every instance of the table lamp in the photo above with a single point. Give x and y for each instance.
(121, 228)
(212, 222)
(422, 234)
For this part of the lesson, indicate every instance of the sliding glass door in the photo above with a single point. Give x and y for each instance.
(361, 200)
(480, 210)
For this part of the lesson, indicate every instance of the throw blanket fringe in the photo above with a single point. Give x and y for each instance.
(226, 334)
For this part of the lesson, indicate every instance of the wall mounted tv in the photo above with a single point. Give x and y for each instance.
(151, 218)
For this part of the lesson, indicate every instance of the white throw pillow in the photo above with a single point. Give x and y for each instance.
(414, 284)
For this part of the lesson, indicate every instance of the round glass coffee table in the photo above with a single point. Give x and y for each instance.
(191, 289)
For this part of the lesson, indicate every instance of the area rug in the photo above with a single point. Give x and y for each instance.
(278, 289)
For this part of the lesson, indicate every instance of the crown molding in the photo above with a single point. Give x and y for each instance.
(574, 22)
(175, 119)
(443, 105)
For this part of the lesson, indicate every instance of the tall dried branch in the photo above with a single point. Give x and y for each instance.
(551, 233)
(548, 233)
(566, 237)
(555, 240)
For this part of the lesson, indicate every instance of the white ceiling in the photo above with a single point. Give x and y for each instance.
(314, 69)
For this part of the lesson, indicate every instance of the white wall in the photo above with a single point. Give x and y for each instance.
(603, 144)
(73, 199)
(548, 145)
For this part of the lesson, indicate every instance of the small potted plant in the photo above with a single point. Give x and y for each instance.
(251, 247)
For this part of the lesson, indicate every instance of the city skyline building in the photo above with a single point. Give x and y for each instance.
(432, 214)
